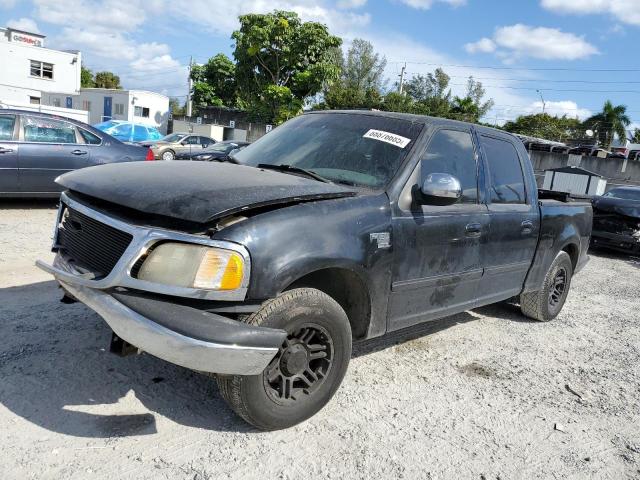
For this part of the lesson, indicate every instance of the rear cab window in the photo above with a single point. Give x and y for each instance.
(506, 178)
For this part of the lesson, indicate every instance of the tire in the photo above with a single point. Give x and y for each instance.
(290, 391)
(168, 155)
(545, 304)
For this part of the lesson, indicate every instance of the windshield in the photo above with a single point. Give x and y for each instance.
(174, 137)
(624, 193)
(361, 150)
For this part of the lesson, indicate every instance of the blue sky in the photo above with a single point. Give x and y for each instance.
(513, 47)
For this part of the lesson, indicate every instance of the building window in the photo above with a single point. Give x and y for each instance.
(34, 100)
(56, 102)
(118, 108)
(41, 69)
(86, 105)
(141, 112)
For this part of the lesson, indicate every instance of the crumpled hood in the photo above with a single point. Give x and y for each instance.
(195, 192)
(629, 208)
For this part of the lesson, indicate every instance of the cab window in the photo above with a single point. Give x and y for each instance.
(452, 152)
(505, 171)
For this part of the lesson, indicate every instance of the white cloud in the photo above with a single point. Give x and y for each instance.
(559, 108)
(225, 19)
(427, 4)
(518, 41)
(627, 11)
(346, 4)
(484, 45)
(24, 24)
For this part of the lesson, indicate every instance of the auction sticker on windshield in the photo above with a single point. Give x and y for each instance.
(387, 137)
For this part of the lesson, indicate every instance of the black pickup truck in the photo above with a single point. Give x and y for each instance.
(333, 228)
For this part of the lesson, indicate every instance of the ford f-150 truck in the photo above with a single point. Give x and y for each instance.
(335, 227)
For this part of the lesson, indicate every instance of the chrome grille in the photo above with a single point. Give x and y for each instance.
(91, 244)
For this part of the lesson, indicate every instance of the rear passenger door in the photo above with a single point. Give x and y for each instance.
(8, 154)
(514, 219)
(48, 148)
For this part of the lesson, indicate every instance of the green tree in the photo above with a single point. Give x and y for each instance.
(543, 125)
(472, 107)
(430, 94)
(636, 136)
(280, 62)
(611, 121)
(86, 77)
(175, 107)
(107, 80)
(361, 79)
(214, 82)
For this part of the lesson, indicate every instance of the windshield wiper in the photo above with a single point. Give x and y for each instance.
(294, 170)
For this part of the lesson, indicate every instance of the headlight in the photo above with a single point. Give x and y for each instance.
(193, 266)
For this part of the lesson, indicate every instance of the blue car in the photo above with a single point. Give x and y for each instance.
(129, 131)
(35, 148)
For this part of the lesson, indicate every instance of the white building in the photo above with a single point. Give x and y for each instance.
(27, 69)
(139, 106)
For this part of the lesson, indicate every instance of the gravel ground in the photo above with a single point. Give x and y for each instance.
(486, 394)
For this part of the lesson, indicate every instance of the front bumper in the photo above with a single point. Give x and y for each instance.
(615, 241)
(186, 336)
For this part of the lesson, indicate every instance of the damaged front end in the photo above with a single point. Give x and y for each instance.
(616, 228)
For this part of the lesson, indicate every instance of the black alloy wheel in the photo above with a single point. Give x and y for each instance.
(301, 365)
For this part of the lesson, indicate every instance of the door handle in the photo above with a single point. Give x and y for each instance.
(79, 152)
(527, 227)
(473, 230)
(6, 150)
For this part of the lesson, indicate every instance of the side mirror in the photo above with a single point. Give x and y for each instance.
(440, 189)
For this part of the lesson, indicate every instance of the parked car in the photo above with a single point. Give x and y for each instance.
(337, 226)
(174, 144)
(219, 151)
(616, 220)
(589, 151)
(35, 148)
(129, 131)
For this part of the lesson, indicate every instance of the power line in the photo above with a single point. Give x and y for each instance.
(535, 69)
(506, 79)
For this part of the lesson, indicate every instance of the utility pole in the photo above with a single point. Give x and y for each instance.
(543, 103)
(401, 86)
(190, 84)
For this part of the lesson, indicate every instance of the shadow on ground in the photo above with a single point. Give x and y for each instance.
(28, 204)
(58, 374)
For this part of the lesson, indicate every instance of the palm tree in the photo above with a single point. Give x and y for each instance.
(611, 121)
(465, 109)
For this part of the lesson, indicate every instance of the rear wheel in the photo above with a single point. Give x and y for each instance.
(546, 303)
(306, 371)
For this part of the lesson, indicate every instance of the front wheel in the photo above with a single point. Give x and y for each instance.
(546, 303)
(306, 371)
(168, 155)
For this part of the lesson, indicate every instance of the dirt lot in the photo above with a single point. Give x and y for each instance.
(485, 394)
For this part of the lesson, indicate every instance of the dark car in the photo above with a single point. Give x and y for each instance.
(35, 148)
(218, 152)
(616, 220)
(335, 227)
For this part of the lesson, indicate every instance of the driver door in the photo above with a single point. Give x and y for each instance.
(437, 268)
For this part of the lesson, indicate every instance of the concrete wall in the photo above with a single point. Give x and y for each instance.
(18, 85)
(617, 171)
